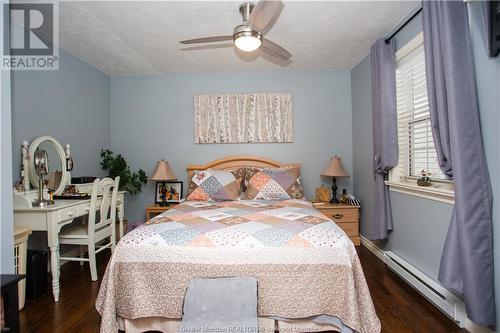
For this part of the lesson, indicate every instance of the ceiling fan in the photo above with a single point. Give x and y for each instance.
(249, 36)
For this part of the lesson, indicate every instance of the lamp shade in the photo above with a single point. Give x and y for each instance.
(335, 168)
(162, 172)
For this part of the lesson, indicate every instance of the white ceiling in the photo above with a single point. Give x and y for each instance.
(137, 37)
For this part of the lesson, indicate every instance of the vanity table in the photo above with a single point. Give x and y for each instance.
(51, 218)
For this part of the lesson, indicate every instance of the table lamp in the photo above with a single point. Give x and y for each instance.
(334, 169)
(162, 174)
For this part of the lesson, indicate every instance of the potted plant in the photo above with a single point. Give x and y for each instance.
(116, 165)
(425, 179)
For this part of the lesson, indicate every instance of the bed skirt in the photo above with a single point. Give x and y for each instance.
(266, 325)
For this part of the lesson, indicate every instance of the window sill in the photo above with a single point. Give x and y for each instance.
(431, 193)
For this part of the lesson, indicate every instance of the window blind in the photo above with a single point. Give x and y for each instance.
(416, 145)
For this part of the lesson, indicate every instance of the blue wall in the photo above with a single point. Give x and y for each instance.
(6, 214)
(71, 104)
(420, 225)
(6, 219)
(152, 118)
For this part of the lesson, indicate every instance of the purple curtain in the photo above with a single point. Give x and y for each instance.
(485, 15)
(385, 132)
(467, 260)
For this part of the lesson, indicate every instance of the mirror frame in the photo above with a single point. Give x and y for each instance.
(62, 156)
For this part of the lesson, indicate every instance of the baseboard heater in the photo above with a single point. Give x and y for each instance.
(443, 299)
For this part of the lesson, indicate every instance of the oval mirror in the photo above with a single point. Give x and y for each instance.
(57, 176)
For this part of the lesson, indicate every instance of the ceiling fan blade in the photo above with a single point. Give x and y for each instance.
(275, 50)
(265, 14)
(207, 47)
(206, 40)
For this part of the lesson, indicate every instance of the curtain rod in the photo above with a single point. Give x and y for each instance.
(388, 39)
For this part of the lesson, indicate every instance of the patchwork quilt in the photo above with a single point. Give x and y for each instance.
(304, 263)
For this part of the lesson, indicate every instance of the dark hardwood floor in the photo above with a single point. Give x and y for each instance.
(400, 308)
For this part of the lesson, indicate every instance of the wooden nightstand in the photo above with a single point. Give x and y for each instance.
(345, 216)
(156, 209)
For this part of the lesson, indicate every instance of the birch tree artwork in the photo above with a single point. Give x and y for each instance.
(243, 118)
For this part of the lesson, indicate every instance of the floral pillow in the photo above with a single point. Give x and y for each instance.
(273, 184)
(215, 185)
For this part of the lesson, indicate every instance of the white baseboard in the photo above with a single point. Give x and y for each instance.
(475, 328)
(379, 253)
(372, 248)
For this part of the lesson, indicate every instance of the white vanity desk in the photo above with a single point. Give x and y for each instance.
(52, 217)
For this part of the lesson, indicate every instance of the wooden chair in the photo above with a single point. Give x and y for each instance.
(95, 232)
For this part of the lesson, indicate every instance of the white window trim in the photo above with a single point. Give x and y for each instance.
(441, 190)
(435, 192)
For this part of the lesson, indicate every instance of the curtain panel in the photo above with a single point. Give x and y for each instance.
(385, 132)
(467, 259)
(486, 18)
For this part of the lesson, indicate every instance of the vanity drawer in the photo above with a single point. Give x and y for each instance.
(341, 214)
(72, 212)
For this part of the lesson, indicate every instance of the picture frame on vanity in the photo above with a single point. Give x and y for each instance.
(174, 190)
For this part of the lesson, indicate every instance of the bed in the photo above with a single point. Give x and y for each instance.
(309, 275)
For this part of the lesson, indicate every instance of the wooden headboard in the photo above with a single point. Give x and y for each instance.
(235, 162)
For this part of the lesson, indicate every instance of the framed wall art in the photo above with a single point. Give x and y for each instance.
(243, 118)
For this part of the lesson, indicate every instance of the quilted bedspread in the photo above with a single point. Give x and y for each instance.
(304, 263)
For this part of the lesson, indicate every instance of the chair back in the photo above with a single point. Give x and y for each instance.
(105, 189)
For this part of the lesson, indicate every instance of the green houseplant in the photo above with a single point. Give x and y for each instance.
(116, 165)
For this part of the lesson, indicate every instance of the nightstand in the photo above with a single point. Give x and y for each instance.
(345, 216)
(156, 209)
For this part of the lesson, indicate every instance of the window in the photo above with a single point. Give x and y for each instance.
(416, 144)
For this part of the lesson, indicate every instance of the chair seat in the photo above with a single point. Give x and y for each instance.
(78, 234)
(74, 231)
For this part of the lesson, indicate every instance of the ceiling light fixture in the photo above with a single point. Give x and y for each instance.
(249, 35)
(246, 39)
